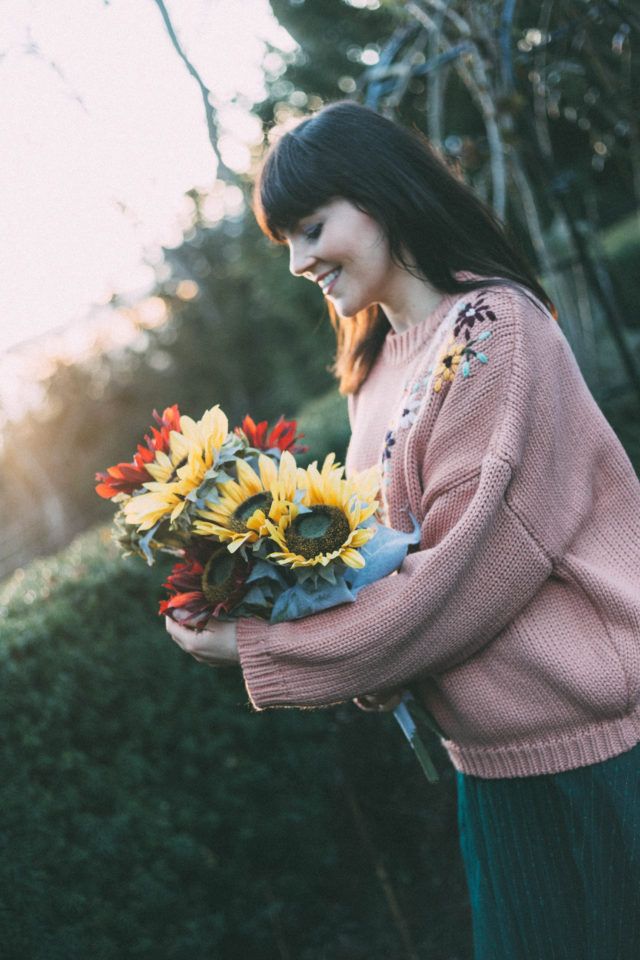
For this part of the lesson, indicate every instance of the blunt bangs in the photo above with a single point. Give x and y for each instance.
(347, 151)
(330, 154)
(293, 182)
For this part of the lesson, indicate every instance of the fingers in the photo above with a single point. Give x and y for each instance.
(187, 638)
(183, 636)
(215, 645)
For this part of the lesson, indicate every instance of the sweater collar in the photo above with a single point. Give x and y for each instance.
(398, 348)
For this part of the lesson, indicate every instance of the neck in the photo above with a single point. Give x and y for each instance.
(410, 300)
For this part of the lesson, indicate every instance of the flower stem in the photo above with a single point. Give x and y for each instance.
(403, 714)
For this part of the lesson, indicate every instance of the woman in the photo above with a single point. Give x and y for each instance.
(518, 618)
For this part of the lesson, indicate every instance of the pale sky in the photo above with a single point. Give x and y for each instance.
(103, 132)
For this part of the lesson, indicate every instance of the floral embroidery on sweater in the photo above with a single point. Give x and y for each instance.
(408, 414)
(389, 441)
(452, 357)
(470, 314)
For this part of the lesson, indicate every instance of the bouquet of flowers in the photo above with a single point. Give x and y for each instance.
(253, 533)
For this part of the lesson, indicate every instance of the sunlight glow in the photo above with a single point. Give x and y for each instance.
(104, 133)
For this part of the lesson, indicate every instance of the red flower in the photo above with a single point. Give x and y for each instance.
(184, 583)
(283, 435)
(127, 477)
(170, 420)
(210, 581)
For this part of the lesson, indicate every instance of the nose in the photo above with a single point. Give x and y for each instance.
(300, 260)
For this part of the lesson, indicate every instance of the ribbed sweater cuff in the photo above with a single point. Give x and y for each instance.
(265, 683)
(592, 743)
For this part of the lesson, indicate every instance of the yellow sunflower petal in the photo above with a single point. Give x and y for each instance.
(161, 468)
(248, 479)
(177, 510)
(268, 472)
(359, 537)
(148, 508)
(238, 540)
(352, 558)
(365, 512)
(367, 483)
(287, 475)
(179, 446)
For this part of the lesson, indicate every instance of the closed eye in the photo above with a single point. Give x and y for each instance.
(313, 231)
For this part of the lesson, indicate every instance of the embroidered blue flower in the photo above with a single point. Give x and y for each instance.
(389, 441)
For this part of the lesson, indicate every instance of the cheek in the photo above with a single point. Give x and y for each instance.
(377, 246)
(379, 258)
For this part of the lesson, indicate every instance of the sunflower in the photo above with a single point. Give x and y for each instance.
(245, 505)
(192, 449)
(209, 582)
(327, 525)
(180, 470)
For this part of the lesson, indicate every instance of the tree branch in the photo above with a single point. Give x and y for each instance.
(223, 172)
(381, 873)
(477, 82)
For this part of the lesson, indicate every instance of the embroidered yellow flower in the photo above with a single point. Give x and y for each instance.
(448, 364)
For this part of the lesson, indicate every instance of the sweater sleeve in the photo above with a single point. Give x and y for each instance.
(479, 562)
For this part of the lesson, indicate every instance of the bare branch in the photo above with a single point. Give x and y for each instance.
(223, 173)
(381, 873)
(33, 49)
(435, 95)
(477, 82)
(405, 74)
(480, 89)
(547, 267)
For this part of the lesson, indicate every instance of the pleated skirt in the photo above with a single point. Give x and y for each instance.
(553, 862)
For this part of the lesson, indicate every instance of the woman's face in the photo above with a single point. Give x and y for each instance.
(346, 252)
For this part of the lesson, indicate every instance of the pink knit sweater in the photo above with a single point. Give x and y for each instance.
(519, 614)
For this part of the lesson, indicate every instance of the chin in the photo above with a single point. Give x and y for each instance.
(347, 311)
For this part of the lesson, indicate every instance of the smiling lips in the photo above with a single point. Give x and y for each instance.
(327, 280)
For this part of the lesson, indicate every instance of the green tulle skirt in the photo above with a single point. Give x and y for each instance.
(553, 862)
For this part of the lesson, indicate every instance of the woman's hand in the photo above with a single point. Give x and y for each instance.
(215, 644)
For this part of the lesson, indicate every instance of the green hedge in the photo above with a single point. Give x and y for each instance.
(325, 424)
(149, 812)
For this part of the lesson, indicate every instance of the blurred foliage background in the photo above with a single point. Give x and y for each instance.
(148, 812)
(536, 105)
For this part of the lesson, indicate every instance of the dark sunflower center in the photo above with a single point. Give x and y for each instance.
(323, 530)
(217, 576)
(239, 517)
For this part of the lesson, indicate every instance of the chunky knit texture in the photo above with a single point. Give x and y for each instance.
(519, 614)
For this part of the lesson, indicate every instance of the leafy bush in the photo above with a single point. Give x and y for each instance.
(325, 424)
(150, 813)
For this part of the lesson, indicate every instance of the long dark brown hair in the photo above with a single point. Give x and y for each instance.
(435, 225)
